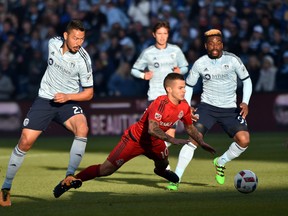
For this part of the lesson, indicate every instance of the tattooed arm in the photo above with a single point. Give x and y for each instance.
(194, 134)
(155, 130)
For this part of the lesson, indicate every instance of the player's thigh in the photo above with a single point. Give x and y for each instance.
(73, 118)
(159, 153)
(232, 122)
(206, 119)
(40, 115)
(125, 150)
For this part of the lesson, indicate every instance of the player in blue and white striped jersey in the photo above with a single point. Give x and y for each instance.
(219, 71)
(158, 60)
(67, 80)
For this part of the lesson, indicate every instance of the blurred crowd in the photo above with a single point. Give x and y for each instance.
(117, 32)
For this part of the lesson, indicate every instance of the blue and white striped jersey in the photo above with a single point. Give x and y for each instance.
(219, 78)
(161, 62)
(65, 73)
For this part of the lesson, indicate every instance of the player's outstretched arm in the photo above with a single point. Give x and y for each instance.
(194, 135)
(155, 130)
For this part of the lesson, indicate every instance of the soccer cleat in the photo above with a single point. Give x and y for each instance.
(220, 177)
(172, 186)
(167, 174)
(66, 184)
(5, 197)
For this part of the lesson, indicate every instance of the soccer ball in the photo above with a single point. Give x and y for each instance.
(245, 181)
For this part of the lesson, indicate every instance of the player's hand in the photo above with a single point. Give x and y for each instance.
(244, 110)
(176, 141)
(60, 98)
(176, 69)
(195, 117)
(208, 148)
(148, 75)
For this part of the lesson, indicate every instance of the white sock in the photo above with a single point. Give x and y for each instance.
(168, 144)
(233, 152)
(76, 153)
(185, 156)
(15, 162)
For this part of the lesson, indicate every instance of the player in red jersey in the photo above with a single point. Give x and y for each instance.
(146, 137)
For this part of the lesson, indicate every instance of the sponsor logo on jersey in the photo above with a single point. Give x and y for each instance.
(166, 124)
(207, 76)
(156, 65)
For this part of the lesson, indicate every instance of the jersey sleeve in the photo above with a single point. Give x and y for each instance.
(187, 117)
(139, 66)
(193, 75)
(85, 71)
(181, 61)
(240, 69)
(152, 111)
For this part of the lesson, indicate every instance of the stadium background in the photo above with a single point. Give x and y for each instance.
(117, 31)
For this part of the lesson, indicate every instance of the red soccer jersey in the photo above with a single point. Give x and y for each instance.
(163, 111)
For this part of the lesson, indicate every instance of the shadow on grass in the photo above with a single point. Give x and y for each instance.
(159, 202)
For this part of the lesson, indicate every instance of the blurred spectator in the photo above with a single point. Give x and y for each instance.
(282, 76)
(267, 78)
(6, 87)
(121, 83)
(36, 69)
(97, 22)
(115, 15)
(139, 11)
(256, 39)
(128, 52)
(26, 26)
(253, 66)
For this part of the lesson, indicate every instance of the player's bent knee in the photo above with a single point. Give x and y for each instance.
(161, 165)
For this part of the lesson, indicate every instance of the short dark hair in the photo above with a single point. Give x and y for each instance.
(161, 24)
(75, 24)
(171, 77)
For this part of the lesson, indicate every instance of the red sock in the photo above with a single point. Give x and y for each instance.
(89, 173)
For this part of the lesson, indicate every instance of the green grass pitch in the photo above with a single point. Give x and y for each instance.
(135, 190)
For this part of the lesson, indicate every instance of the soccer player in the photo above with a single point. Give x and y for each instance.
(146, 137)
(67, 80)
(158, 60)
(219, 71)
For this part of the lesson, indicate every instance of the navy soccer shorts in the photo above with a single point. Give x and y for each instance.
(43, 111)
(228, 118)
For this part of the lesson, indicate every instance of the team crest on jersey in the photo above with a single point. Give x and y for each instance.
(226, 67)
(181, 114)
(25, 122)
(173, 55)
(158, 116)
(72, 64)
